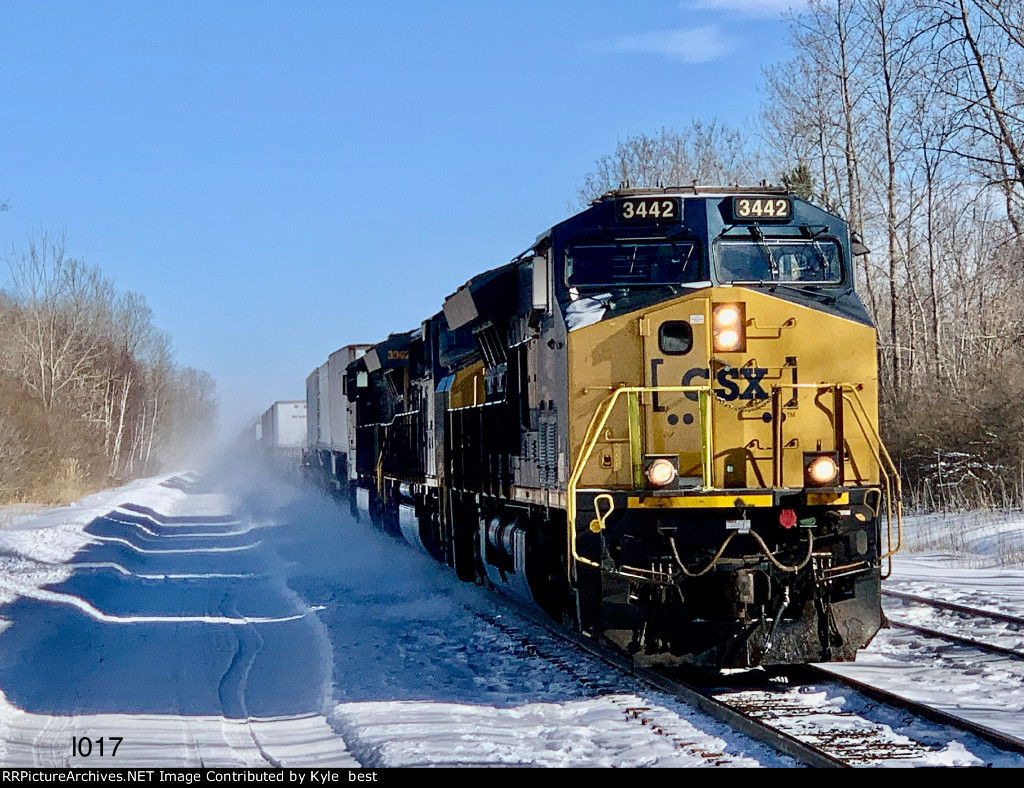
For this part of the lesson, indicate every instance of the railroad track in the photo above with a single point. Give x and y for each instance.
(872, 727)
(815, 717)
(1015, 652)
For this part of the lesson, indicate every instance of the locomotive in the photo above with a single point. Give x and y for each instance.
(658, 424)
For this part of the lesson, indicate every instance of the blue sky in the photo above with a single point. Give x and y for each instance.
(281, 179)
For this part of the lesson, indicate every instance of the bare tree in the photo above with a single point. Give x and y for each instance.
(61, 303)
(706, 153)
(193, 413)
(157, 362)
(131, 331)
(891, 59)
(817, 112)
(979, 51)
(87, 376)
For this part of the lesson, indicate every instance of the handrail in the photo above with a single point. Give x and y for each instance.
(889, 475)
(596, 426)
(394, 418)
(893, 483)
(887, 470)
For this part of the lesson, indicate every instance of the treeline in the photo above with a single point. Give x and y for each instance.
(907, 118)
(89, 391)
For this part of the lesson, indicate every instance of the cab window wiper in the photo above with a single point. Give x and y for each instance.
(684, 257)
(806, 290)
(763, 245)
(812, 236)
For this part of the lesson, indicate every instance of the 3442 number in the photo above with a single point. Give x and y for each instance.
(764, 208)
(648, 208)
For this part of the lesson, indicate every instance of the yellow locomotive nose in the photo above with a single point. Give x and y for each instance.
(659, 425)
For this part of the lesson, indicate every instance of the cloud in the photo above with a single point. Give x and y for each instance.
(747, 7)
(690, 45)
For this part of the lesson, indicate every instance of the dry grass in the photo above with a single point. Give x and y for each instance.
(68, 484)
(48, 456)
(975, 538)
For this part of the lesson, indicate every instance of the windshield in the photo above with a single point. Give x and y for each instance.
(632, 262)
(779, 260)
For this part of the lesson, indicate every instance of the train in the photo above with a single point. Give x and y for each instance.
(658, 425)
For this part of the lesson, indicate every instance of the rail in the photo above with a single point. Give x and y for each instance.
(890, 491)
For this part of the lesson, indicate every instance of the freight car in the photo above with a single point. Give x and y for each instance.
(330, 436)
(282, 430)
(658, 424)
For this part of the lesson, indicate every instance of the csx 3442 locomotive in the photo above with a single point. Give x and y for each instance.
(658, 424)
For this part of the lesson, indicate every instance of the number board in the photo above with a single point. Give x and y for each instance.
(648, 209)
(762, 209)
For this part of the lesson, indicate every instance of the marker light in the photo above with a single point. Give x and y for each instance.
(821, 470)
(661, 473)
(729, 327)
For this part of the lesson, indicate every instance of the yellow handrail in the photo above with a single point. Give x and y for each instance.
(893, 483)
(886, 467)
(888, 472)
(590, 438)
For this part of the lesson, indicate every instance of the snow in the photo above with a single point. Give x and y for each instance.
(960, 560)
(586, 311)
(255, 623)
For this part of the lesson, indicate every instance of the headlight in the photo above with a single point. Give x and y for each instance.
(661, 472)
(820, 470)
(729, 325)
(727, 340)
(727, 315)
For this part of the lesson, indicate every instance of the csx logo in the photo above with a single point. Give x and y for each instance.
(735, 383)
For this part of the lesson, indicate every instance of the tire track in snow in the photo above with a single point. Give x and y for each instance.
(51, 748)
(237, 729)
(189, 740)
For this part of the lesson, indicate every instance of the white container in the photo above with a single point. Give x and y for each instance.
(312, 410)
(337, 397)
(324, 421)
(284, 426)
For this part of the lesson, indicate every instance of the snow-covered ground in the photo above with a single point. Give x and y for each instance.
(257, 624)
(974, 559)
